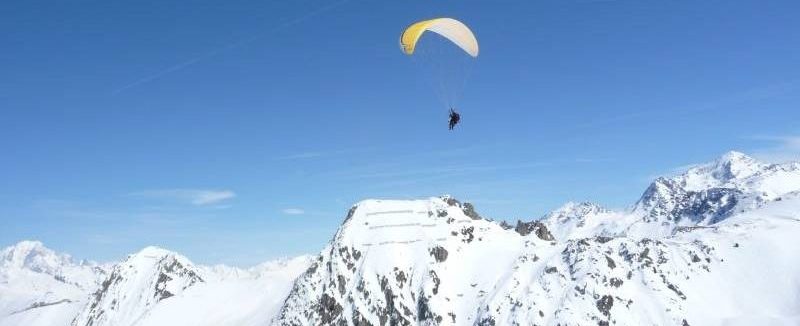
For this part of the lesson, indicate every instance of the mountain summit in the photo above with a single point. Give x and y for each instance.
(708, 193)
(33, 255)
(687, 245)
(138, 284)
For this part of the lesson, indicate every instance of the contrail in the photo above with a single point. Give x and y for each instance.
(192, 61)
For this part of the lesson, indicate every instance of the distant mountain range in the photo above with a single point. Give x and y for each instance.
(716, 245)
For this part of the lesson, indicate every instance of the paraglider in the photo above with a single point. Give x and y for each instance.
(454, 118)
(449, 69)
(449, 28)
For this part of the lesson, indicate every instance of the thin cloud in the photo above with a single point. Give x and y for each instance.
(76, 210)
(446, 170)
(321, 154)
(752, 94)
(594, 160)
(780, 148)
(293, 211)
(396, 178)
(301, 156)
(183, 65)
(678, 170)
(197, 197)
(101, 239)
(682, 169)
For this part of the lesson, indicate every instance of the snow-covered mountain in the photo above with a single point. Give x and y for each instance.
(41, 287)
(716, 245)
(709, 193)
(152, 287)
(137, 285)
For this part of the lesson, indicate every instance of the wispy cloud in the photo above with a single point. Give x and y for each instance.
(315, 154)
(301, 156)
(779, 148)
(75, 210)
(744, 96)
(675, 171)
(197, 197)
(776, 149)
(594, 160)
(293, 211)
(101, 239)
(191, 61)
(452, 170)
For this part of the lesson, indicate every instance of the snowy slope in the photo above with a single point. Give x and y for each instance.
(713, 246)
(152, 287)
(398, 262)
(711, 192)
(160, 287)
(137, 285)
(251, 297)
(41, 287)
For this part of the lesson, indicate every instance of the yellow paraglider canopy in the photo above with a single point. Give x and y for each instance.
(449, 28)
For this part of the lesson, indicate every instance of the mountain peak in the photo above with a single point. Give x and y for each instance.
(26, 246)
(33, 255)
(572, 206)
(573, 210)
(731, 167)
(735, 164)
(151, 254)
(153, 251)
(710, 192)
(735, 156)
(29, 243)
(137, 284)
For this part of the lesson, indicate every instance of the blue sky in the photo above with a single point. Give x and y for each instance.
(239, 131)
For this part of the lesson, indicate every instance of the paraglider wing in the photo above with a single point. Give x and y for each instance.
(449, 28)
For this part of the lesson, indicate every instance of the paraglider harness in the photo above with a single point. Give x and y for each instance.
(454, 118)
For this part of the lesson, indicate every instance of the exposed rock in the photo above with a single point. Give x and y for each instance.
(487, 321)
(467, 232)
(541, 231)
(610, 262)
(604, 304)
(328, 309)
(439, 253)
(470, 212)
